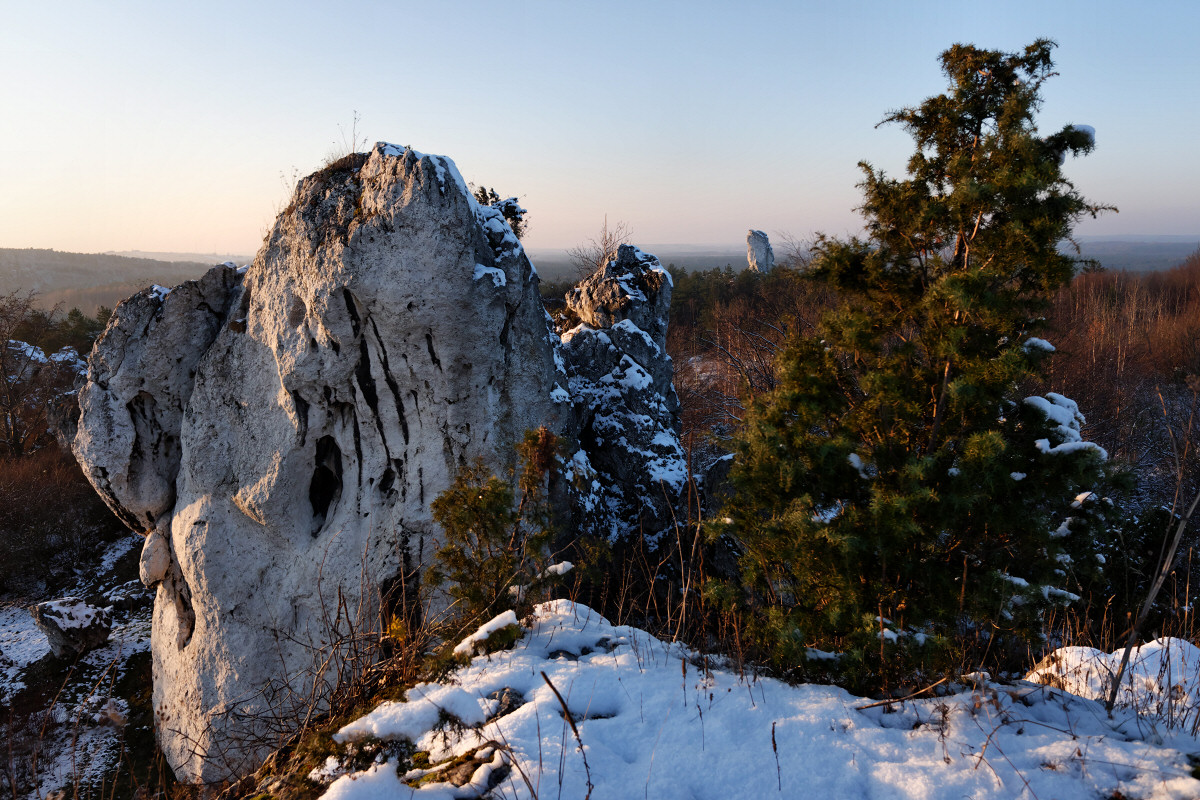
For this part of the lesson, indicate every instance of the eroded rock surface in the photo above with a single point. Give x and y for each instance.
(280, 434)
(140, 378)
(621, 381)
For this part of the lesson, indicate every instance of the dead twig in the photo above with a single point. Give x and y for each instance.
(570, 721)
(900, 699)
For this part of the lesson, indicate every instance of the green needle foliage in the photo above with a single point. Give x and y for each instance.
(896, 478)
(497, 546)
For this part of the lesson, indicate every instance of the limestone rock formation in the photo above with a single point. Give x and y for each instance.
(140, 377)
(621, 380)
(279, 434)
(759, 255)
(72, 626)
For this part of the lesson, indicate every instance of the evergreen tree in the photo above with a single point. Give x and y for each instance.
(509, 207)
(496, 554)
(897, 478)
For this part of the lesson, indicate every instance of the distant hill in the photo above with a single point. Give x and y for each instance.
(1132, 253)
(87, 280)
(199, 258)
(1140, 255)
(90, 280)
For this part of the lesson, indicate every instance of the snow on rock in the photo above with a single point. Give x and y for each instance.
(27, 361)
(72, 626)
(280, 433)
(497, 275)
(759, 255)
(633, 286)
(26, 352)
(657, 720)
(621, 380)
(485, 630)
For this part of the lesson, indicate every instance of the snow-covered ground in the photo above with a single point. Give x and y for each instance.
(21, 644)
(84, 743)
(80, 737)
(654, 720)
(1161, 681)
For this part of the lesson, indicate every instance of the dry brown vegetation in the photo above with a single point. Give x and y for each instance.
(1128, 351)
(51, 522)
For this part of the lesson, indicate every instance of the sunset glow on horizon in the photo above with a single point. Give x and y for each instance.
(163, 127)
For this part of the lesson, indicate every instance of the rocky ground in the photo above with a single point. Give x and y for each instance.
(79, 723)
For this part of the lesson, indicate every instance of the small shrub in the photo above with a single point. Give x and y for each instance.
(497, 550)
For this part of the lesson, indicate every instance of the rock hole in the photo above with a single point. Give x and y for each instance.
(238, 319)
(362, 371)
(154, 457)
(182, 600)
(301, 416)
(296, 312)
(509, 312)
(326, 485)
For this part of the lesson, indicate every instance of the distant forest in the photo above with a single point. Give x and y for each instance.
(86, 281)
(91, 281)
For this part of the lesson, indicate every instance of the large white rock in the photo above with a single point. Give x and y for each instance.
(759, 255)
(281, 441)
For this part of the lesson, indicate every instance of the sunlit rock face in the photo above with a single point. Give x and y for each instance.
(140, 377)
(279, 434)
(760, 256)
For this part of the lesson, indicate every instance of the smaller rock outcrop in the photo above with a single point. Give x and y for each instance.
(759, 255)
(143, 369)
(630, 466)
(72, 626)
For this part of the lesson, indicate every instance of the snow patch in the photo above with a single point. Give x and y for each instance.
(1034, 343)
(717, 733)
(485, 630)
(497, 275)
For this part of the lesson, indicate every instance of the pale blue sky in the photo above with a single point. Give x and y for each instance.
(171, 126)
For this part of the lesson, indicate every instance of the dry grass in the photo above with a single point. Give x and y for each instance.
(51, 522)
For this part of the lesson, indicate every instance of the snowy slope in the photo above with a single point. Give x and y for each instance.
(1162, 678)
(655, 723)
